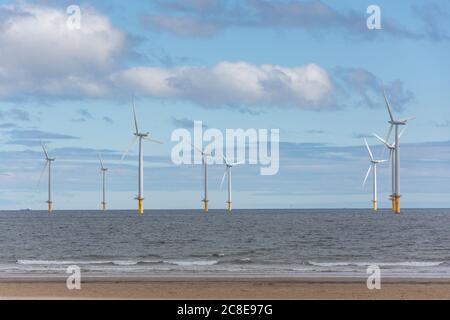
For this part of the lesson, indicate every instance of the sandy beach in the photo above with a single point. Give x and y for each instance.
(227, 289)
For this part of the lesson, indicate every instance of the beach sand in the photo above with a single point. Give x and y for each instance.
(227, 289)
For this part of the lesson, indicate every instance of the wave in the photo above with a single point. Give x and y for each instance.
(186, 263)
(85, 262)
(380, 264)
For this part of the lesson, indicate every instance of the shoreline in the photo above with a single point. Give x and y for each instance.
(220, 288)
(215, 278)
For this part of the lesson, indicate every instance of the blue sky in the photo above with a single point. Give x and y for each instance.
(309, 68)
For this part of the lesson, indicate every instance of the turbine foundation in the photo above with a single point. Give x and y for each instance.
(50, 206)
(229, 206)
(103, 206)
(375, 208)
(397, 204)
(141, 205)
(205, 206)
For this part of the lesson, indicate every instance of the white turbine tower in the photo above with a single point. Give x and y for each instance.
(395, 123)
(103, 170)
(205, 176)
(48, 161)
(373, 165)
(140, 136)
(391, 148)
(227, 173)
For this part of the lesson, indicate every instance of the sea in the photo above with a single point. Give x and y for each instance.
(247, 243)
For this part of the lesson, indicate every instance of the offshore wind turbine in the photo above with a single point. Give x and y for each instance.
(205, 176)
(373, 166)
(391, 148)
(140, 136)
(48, 162)
(103, 170)
(227, 173)
(395, 124)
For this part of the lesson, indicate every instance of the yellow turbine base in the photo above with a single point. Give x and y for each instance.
(397, 204)
(205, 206)
(375, 208)
(103, 206)
(229, 206)
(50, 207)
(141, 206)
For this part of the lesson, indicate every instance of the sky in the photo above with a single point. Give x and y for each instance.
(311, 69)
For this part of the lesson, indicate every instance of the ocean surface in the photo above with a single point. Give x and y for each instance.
(250, 243)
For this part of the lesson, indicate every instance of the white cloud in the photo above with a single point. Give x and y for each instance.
(41, 57)
(40, 54)
(233, 84)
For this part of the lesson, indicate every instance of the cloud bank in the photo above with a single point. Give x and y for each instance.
(44, 59)
(204, 18)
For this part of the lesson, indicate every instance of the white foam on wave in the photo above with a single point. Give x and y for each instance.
(185, 263)
(380, 264)
(61, 262)
(84, 262)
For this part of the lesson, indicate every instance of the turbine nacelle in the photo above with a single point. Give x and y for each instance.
(143, 135)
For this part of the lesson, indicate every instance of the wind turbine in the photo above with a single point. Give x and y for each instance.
(205, 176)
(373, 165)
(227, 173)
(48, 161)
(103, 170)
(391, 148)
(139, 136)
(395, 123)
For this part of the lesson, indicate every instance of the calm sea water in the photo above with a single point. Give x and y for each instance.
(246, 243)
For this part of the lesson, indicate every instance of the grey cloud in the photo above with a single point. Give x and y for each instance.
(15, 114)
(368, 89)
(83, 116)
(444, 124)
(313, 131)
(108, 120)
(8, 125)
(182, 26)
(27, 143)
(184, 123)
(435, 17)
(206, 18)
(361, 135)
(38, 135)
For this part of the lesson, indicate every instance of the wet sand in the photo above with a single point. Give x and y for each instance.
(227, 289)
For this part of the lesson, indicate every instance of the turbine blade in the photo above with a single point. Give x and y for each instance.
(129, 147)
(401, 132)
(42, 173)
(380, 139)
(225, 161)
(152, 140)
(368, 149)
(238, 163)
(407, 119)
(388, 106)
(135, 118)
(367, 175)
(390, 160)
(223, 178)
(195, 148)
(45, 151)
(101, 162)
(389, 133)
